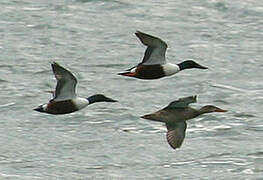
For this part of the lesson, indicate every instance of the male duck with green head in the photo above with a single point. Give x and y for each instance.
(154, 64)
(65, 99)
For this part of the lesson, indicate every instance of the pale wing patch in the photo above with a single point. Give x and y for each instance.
(65, 90)
(66, 83)
(176, 133)
(155, 55)
(156, 48)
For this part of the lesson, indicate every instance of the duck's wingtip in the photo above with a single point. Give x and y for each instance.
(137, 31)
(53, 64)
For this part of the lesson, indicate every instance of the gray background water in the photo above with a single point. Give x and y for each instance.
(95, 40)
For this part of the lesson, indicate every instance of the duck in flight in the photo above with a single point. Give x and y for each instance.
(154, 64)
(65, 99)
(175, 116)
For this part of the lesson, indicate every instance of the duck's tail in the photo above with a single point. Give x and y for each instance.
(127, 73)
(152, 117)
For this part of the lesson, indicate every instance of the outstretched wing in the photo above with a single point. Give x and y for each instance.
(175, 134)
(66, 83)
(156, 48)
(182, 102)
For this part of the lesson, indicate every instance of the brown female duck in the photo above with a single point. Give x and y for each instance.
(175, 116)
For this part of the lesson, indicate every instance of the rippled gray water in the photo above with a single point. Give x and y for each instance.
(95, 40)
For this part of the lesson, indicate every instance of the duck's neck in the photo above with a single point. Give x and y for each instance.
(98, 98)
(196, 112)
(190, 113)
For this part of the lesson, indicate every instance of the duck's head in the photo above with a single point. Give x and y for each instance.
(210, 109)
(188, 64)
(99, 98)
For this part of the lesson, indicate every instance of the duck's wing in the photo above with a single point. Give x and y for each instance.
(182, 102)
(176, 133)
(156, 48)
(66, 83)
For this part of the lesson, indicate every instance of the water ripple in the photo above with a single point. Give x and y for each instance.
(6, 105)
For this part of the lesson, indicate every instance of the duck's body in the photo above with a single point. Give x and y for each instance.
(65, 99)
(155, 71)
(64, 107)
(154, 64)
(175, 116)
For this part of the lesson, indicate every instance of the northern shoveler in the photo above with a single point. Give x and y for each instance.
(65, 99)
(154, 64)
(175, 116)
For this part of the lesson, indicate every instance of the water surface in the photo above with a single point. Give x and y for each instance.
(95, 40)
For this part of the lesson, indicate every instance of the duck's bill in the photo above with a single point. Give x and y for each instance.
(201, 67)
(220, 110)
(110, 100)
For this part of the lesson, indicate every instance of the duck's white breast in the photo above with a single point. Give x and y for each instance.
(80, 102)
(170, 69)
